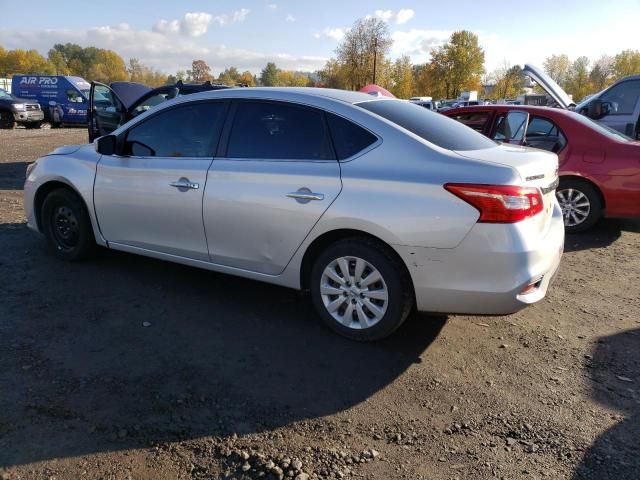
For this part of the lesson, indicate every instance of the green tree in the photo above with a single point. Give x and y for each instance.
(578, 83)
(626, 63)
(465, 61)
(402, 78)
(601, 74)
(509, 82)
(362, 52)
(269, 75)
(558, 67)
(200, 71)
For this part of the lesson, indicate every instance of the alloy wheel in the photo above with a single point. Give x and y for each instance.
(354, 292)
(575, 206)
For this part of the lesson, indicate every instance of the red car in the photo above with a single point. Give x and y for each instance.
(599, 167)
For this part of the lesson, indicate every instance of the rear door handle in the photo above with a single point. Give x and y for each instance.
(305, 196)
(184, 183)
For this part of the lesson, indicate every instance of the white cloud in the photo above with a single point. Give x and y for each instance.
(162, 50)
(272, 6)
(290, 18)
(417, 43)
(335, 34)
(404, 15)
(196, 24)
(384, 15)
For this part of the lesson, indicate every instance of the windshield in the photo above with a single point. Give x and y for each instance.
(600, 128)
(4, 94)
(433, 127)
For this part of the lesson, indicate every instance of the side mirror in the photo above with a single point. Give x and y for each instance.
(596, 109)
(105, 145)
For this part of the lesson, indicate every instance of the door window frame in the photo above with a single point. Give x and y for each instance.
(223, 143)
(122, 138)
(616, 85)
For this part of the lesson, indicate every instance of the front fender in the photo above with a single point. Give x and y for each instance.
(76, 171)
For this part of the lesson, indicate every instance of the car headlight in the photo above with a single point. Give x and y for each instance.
(19, 107)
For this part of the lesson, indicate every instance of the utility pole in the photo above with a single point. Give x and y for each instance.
(375, 58)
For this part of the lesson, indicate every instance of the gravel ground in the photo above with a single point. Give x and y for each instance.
(124, 367)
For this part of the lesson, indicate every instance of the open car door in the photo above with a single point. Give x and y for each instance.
(109, 106)
(512, 128)
(106, 111)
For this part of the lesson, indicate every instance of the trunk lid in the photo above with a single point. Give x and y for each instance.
(536, 168)
(549, 85)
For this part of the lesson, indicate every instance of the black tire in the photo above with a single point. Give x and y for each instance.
(6, 120)
(577, 187)
(33, 125)
(400, 297)
(66, 225)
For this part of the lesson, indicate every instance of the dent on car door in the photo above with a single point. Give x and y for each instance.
(274, 179)
(149, 196)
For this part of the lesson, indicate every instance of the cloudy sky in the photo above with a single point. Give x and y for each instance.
(301, 35)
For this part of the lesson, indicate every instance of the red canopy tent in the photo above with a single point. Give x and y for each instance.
(377, 91)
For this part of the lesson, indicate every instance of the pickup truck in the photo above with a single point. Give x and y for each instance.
(19, 111)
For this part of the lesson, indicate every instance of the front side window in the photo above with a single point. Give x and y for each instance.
(275, 130)
(348, 138)
(622, 97)
(190, 130)
(475, 120)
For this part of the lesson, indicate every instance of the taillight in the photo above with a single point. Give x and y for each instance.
(499, 203)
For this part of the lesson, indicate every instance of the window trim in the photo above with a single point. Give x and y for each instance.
(531, 117)
(223, 144)
(122, 138)
(359, 153)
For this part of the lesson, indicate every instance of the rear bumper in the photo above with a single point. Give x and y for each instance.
(486, 273)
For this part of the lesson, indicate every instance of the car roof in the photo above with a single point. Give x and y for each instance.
(345, 96)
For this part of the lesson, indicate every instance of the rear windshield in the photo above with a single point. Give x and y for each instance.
(433, 127)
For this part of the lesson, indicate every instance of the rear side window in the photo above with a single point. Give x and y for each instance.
(190, 130)
(433, 127)
(276, 130)
(348, 138)
(545, 135)
(475, 120)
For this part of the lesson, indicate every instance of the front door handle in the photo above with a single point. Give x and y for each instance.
(305, 196)
(184, 184)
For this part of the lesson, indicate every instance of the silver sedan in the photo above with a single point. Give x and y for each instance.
(375, 205)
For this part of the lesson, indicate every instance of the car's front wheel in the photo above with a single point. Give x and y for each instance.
(6, 120)
(360, 289)
(580, 203)
(66, 225)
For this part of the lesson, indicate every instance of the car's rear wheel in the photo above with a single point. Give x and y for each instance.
(580, 203)
(6, 120)
(67, 226)
(33, 125)
(360, 290)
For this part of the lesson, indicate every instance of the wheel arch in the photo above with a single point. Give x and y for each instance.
(588, 181)
(44, 190)
(332, 236)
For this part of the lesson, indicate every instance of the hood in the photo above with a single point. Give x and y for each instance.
(14, 99)
(549, 85)
(129, 92)
(66, 149)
